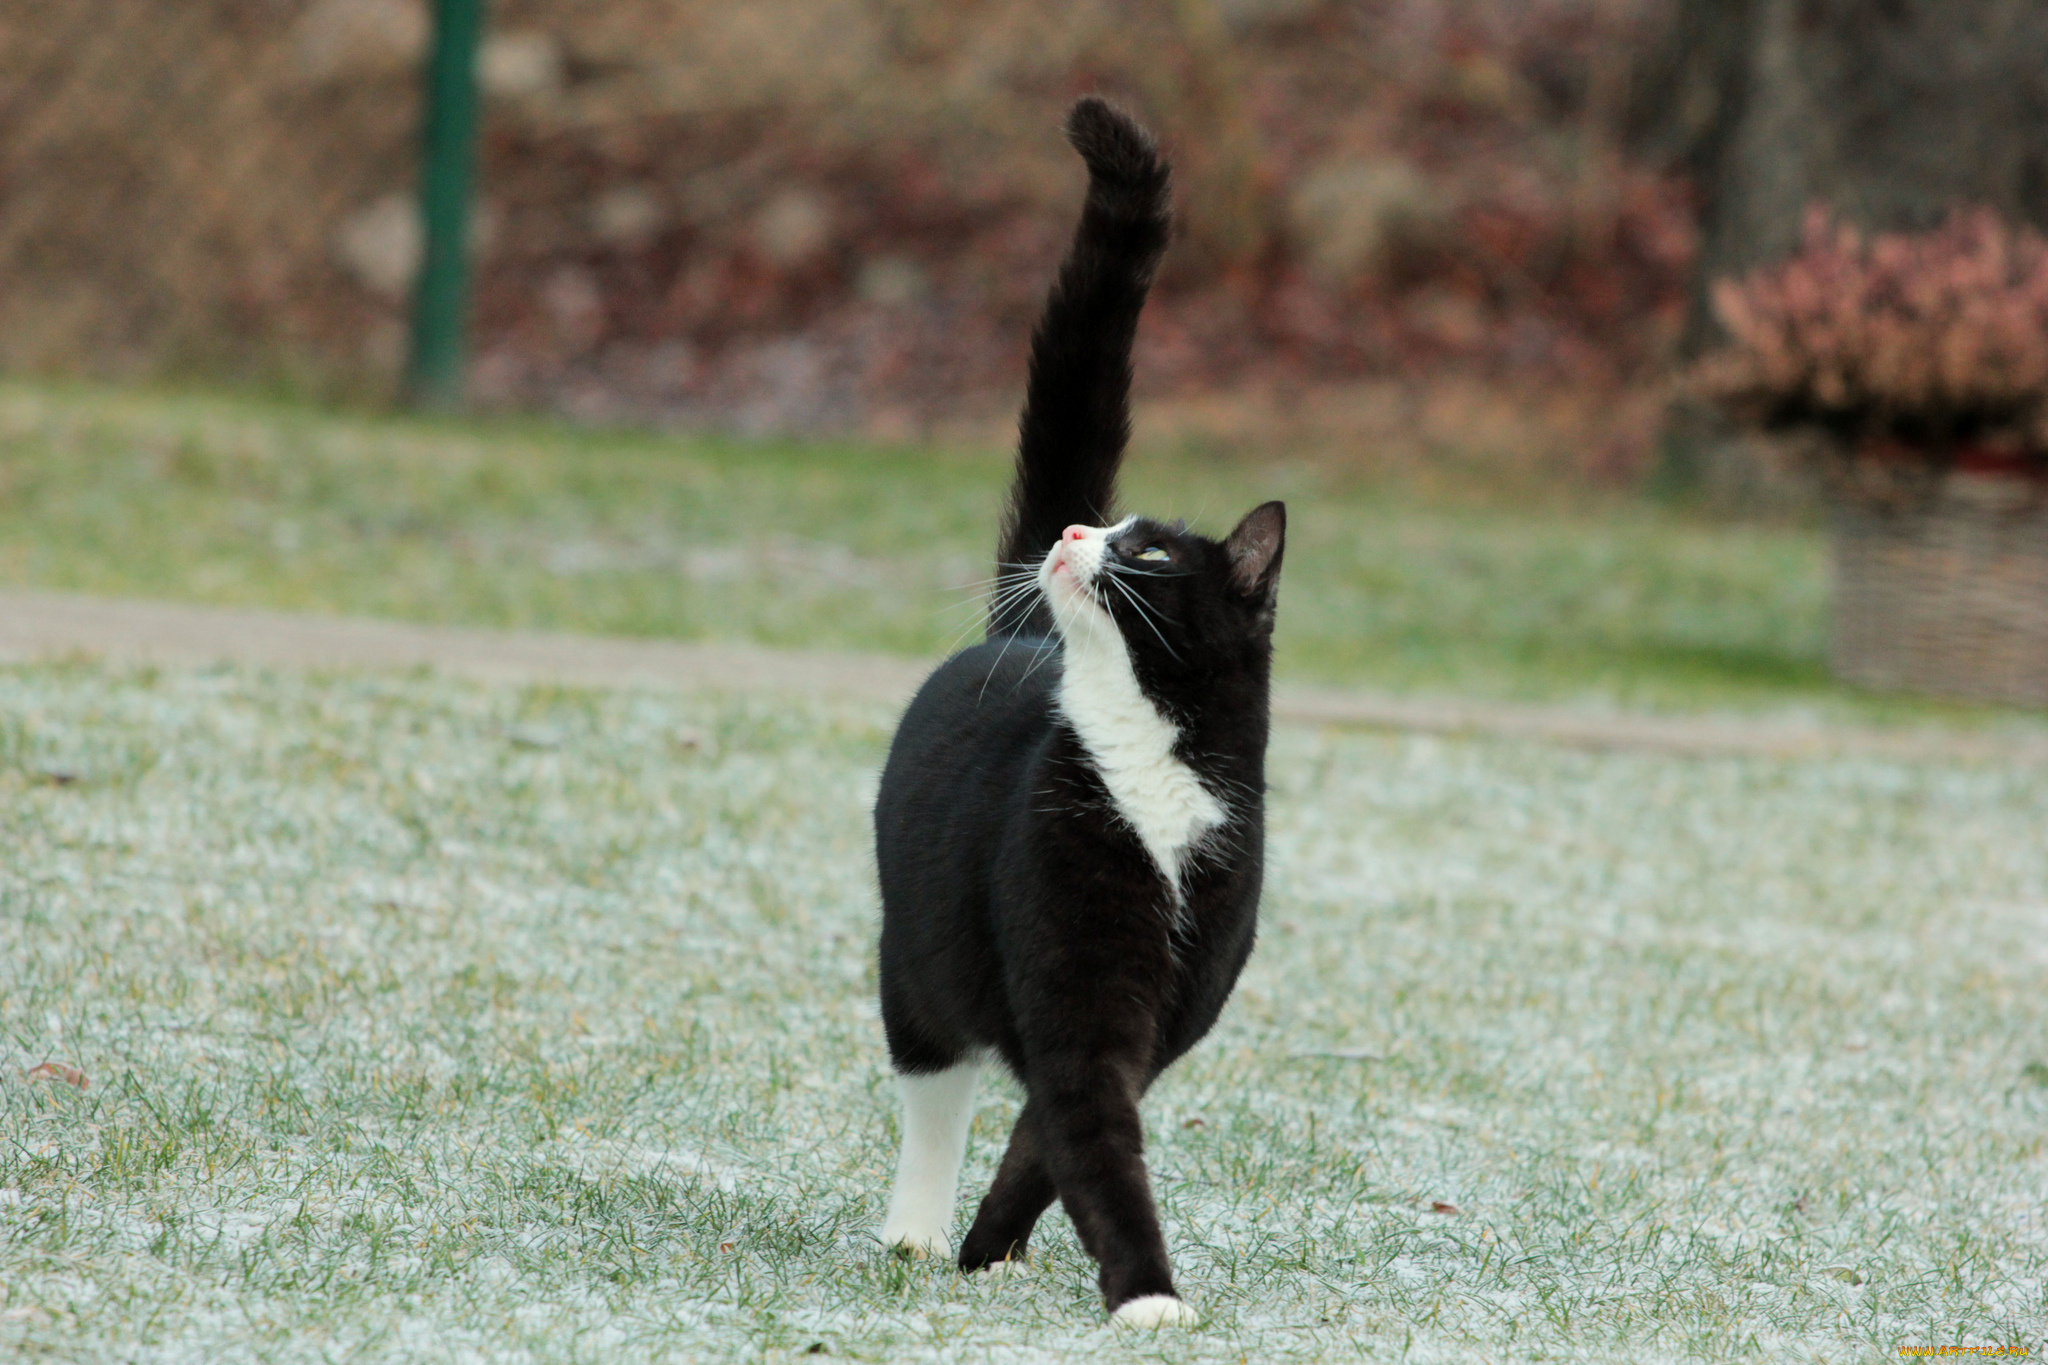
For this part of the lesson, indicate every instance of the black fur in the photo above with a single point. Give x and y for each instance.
(1076, 417)
(1020, 913)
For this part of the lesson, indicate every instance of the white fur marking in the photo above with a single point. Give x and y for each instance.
(1131, 742)
(936, 1112)
(1155, 1310)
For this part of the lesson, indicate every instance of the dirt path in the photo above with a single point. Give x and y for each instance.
(40, 625)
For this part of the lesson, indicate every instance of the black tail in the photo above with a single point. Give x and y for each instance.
(1077, 411)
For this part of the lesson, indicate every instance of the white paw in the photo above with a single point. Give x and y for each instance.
(1155, 1310)
(918, 1244)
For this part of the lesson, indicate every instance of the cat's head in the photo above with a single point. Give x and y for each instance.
(1185, 606)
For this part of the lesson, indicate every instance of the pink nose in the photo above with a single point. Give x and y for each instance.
(1074, 533)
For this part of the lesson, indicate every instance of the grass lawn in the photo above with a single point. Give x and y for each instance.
(536, 524)
(435, 1022)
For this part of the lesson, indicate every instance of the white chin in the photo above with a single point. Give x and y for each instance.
(1156, 1310)
(1073, 601)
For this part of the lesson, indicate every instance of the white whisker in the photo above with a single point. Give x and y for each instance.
(1144, 614)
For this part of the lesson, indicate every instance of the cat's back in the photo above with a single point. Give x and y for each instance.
(955, 782)
(987, 702)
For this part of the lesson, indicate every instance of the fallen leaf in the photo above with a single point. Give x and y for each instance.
(1194, 1123)
(57, 1071)
(728, 1246)
(1441, 1207)
(1842, 1273)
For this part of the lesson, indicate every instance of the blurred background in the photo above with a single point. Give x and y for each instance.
(840, 215)
(1471, 240)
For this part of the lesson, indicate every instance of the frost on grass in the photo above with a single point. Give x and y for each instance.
(410, 1039)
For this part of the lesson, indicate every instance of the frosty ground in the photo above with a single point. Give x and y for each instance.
(432, 1021)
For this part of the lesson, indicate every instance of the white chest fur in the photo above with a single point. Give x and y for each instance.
(1132, 745)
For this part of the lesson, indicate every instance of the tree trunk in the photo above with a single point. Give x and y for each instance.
(1889, 113)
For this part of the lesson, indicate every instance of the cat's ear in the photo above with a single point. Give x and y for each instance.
(1254, 549)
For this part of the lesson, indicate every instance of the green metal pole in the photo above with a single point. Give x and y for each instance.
(440, 314)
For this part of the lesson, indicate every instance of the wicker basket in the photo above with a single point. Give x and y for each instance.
(1947, 592)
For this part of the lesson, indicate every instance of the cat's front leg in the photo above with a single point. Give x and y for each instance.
(1094, 1146)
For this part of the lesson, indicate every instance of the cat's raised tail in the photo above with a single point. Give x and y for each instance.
(1077, 410)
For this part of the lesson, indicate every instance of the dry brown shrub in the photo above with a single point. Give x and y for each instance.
(170, 177)
(1933, 337)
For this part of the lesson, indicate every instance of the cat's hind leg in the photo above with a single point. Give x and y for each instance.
(1022, 1191)
(937, 1109)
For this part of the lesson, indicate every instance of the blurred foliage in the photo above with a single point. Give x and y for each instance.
(833, 215)
(1936, 336)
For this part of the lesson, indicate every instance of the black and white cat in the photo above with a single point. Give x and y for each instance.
(1070, 826)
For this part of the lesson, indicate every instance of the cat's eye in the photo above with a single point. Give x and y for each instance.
(1153, 553)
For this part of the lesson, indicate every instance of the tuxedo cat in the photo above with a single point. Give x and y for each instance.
(1070, 826)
